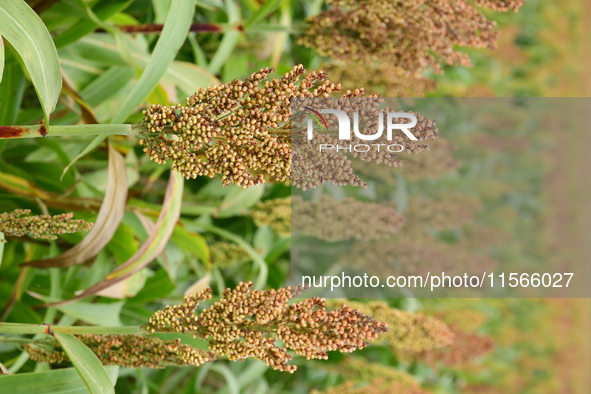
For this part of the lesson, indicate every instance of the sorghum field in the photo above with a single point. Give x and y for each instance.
(147, 177)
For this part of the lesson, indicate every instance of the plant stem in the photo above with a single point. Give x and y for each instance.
(68, 130)
(17, 328)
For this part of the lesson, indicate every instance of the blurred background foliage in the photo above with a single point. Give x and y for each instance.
(501, 345)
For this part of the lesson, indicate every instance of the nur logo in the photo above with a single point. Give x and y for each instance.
(345, 124)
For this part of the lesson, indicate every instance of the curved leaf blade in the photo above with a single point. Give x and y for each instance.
(109, 217)
(87, 364)
(174, 33)
(1, 58)
(57, 381)
(23, 28)
(154, 245)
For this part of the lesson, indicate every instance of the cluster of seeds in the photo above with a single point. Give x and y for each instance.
(333, 220)
(465, 348)
(448, 211)
(358, 373)
(132, 351)
(227, 254)
(18, 223)
(413, 332)
(414, 254)
(435, 165)
(275, 213)
(248, 323)
(384, 78)
(413, 35)
(501, 5)
(238, 130)
(378, 386)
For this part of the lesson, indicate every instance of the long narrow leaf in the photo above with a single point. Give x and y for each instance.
(154, 245)
(57, 381)
(87, 364)
(1, 58)
(268, 7)
(23, 28)
(109, 217)
(11, 92)
(174, 33)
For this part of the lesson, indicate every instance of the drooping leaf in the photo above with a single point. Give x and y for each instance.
(154, 245)
(109, 217)
(25, 31)
(57, 381)
(127, 288)
(87, 364)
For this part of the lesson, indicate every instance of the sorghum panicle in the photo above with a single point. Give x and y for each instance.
(237, 129)
(413, 332)
(333, 220)
(414, 35)
(132, 351)
(448, 211)
(435, 165)
(275, 213)
(18, 223)
(465, 348)
(247, 323)
(227, 254)
(361, 375)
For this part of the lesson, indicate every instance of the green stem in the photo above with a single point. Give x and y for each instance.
(17, 328)
(68, 130)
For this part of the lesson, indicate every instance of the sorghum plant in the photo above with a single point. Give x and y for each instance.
(248, 323)
(245, 323)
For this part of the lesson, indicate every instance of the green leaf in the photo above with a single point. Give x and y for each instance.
(87, 364)
(229, 40)
(232, 384)
(103, 10)
(1, 58)
(174, 33)
(192, 243)
(23, 28)
(95, 314)
(154, 245)
(11, 92)
(264, 10)
(238, 200)
(57, 381)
